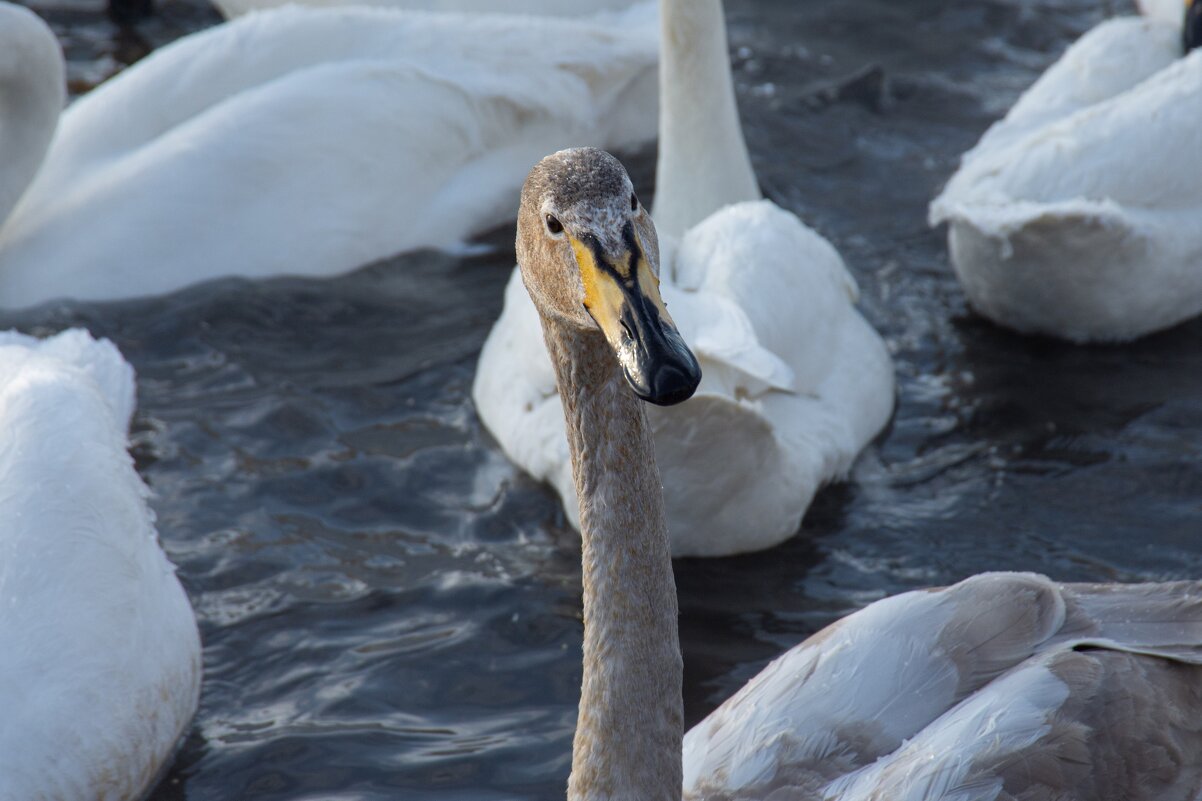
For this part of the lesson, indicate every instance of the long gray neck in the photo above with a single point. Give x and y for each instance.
(630, 727)
(32, 93)
(703, 163)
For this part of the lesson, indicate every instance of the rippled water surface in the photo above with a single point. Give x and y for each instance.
(391, 610)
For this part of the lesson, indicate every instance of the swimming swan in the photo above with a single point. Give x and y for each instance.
(1004, 686)
(796, 382)
(1076, 214)
(99, 654)
(295, 141)
(543, 8)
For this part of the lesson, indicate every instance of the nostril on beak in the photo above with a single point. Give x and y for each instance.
(671, 385)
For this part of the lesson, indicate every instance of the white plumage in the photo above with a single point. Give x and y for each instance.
(795, 382)
(1075, 215)
(546, 8)
(99, 652)
(297, 141)
(1001, 681)
(1168, 11)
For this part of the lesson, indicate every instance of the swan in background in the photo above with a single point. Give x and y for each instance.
(544, 8)
(1076, 215)
(1001, 686)
(795, 381)
(99, 653)
(295, 141)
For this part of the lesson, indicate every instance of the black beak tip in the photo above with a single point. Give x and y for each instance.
(672, 384)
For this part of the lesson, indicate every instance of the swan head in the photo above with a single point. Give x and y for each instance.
(589, 257)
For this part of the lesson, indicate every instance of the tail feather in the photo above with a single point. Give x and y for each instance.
(1162, 619)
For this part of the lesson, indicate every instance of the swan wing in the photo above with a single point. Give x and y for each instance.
(794, 382)
(789, 281)
(310, 142)
(1104, 724)
(859, 690)
(1105, 151)
(491, 54)
(1110, 59)
(792, 287)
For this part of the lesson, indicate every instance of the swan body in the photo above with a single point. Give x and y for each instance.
(300, 141)
(795, 382)
(1073, 216)
(544, 8)
(1004, 686)
(99, 653)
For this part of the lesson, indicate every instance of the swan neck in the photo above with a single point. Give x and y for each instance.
(630, 726)
(703, 163)
(32, 95)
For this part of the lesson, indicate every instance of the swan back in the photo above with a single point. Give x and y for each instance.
(924, 694)
(99, 652)
(1073, 215)
(795, 382)
(312, 141)
(292, 47)
(32, 94)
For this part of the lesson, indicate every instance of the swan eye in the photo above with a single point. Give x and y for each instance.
(554, 225)
(634, 202)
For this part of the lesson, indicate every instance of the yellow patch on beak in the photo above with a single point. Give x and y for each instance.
(622, 295)
(604, 297)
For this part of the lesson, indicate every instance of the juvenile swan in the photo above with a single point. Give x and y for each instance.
(1004, 686)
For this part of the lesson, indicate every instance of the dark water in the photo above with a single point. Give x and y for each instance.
(391, 610)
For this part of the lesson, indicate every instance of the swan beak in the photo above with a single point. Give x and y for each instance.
(621, 293)
(1192, 34)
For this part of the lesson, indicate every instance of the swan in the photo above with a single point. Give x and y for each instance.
(99, 653)
(546, 8)
(1003, 686)
(295, 141)
(1074, 215)
(796, 382)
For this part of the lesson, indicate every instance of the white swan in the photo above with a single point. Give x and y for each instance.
(1076, 214)
(795, 381)
(99, 653)
(1004, 686)
(295, 141)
